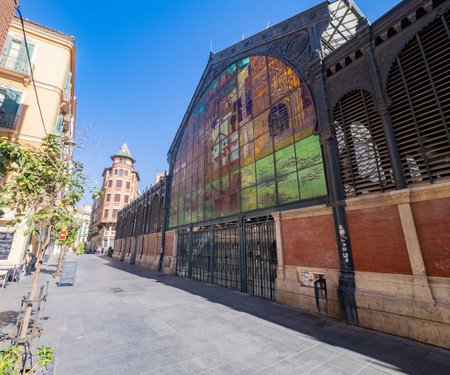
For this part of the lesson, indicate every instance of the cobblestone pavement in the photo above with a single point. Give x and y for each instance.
(122, 319)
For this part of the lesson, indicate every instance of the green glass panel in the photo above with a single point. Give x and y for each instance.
(308, 152)
(180, 211)
(285, 160)
(288, 188)
(248, 199)
(225, 182)
(248, 175)
(266, 194)
(312, 182)
(265, 169)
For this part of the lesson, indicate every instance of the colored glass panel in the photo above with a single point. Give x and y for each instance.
(225, 162)
(267, 196)
(287, 188)
(248, 199)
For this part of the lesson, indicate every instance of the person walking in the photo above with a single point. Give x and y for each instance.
(31, 261)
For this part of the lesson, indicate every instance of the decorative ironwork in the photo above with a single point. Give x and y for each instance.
(236, 255)
(418, 86)
(363, 155)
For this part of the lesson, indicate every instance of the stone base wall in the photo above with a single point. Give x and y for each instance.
(144, 251)
(401, 248)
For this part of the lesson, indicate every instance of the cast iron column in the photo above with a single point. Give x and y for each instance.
(167, 182)
(346, 287)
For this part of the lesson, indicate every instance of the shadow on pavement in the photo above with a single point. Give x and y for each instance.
(395, 353)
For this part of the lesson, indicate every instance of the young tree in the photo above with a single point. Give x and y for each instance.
(42, 187)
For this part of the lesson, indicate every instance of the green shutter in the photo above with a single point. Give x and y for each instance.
(22, 64)
(9, 109)
(11, 102)
(5, 50)
(59, 124)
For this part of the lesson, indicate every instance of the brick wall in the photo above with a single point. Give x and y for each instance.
(377, 240)
(169, 243)
(432, 219)
(6, 13)
(310, 241)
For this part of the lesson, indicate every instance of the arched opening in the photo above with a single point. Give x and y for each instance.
(418, 86)
(363, 155)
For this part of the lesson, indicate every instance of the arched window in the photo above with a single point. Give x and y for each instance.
(161, 214)
(418, 85)
(154, 216)
(363, 155)
(121, 173)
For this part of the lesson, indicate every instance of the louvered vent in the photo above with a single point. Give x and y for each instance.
(363, 155)
(418, 85)
(154, 220)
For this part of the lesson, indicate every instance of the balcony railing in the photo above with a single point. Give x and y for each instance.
(9, 120)
(15, 64)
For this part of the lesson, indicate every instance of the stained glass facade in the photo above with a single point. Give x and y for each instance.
(248, 145)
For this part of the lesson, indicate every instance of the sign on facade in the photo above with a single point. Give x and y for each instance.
(5, 245)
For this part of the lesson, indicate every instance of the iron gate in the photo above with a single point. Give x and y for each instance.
(239, 255)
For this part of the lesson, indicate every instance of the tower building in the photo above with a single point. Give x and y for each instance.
(120, 187)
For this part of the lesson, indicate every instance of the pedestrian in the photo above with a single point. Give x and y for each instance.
(30, 262)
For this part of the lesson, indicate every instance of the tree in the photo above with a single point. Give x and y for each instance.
(42, 187)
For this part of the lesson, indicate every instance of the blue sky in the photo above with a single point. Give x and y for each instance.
(138, 64)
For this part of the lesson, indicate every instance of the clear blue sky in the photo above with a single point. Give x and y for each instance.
(139, 62)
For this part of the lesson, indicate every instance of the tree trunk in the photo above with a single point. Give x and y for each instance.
(61, 254)
(27, 314)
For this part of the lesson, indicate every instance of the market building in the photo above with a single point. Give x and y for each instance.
(312, 167)
(47, 55)
(119, 188)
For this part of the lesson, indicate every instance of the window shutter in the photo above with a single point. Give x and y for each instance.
(59, 124)
(6, 47)
(22, 63)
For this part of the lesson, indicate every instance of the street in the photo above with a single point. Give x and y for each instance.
(120, 318)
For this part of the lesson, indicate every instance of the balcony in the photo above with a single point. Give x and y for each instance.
(15, 64)
(9, 120)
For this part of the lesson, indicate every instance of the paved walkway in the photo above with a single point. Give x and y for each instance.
(122, 319)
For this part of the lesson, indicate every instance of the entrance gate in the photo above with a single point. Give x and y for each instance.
(238, 255)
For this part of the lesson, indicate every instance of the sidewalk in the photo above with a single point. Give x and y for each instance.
(122, 319)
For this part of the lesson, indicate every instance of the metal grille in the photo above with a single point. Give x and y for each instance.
(227, 270)
(183, 254)
(261, 258)
(363, 154)
(220, 255)
(154, 216)
(201, 255)
(418, 85)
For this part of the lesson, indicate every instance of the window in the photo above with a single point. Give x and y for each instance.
(106, 214)
(9, 105)
(14, 56)
(121, 173)
(108, 197)
(128, 185)
(110, 183)
(117, 198)
(115, 171)
(126, 199)
(119, 183)
(126, 173)
(115, 214)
